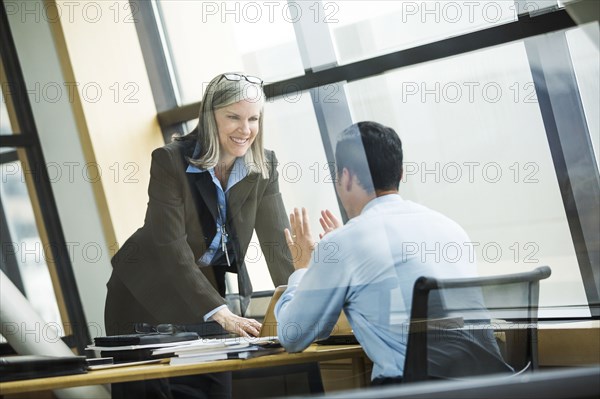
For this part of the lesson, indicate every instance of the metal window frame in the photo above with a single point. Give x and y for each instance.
(28, 139)
(570, 145)
(156, 53)
(9, 264)
(332, 116)
(525, 27)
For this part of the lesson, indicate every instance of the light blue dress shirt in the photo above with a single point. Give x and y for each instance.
(368, 268)
(214, 251)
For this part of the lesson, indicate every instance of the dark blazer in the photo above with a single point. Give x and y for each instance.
(157, 277)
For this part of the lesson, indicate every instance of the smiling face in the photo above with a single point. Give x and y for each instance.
(238, 126)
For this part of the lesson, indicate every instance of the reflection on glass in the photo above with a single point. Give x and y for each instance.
(476, 150)
(364, 29)
(583, 46)
(29, 251)
(304, 178)
(537, 7)
(291, 130)
(207, 38)
(5, 126)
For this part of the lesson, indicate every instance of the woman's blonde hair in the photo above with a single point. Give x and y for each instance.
(220, 93)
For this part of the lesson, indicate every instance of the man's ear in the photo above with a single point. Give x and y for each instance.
(346, 179)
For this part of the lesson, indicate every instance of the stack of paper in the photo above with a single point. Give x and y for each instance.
(204, 354)
(196, 351)
(230, 348)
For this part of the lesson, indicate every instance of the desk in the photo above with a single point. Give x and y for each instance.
(569, 343)
(314, 353)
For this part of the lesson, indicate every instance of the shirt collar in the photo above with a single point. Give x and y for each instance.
(238, 172)
(381, 200)
(191, 168)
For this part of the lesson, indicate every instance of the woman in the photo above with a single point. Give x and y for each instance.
(208, 192)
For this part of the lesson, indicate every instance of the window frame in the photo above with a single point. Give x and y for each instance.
(28, 147)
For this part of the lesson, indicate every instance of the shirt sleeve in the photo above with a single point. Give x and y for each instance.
(212, 312)
(311, 305)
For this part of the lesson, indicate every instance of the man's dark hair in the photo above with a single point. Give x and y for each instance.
(373, 153)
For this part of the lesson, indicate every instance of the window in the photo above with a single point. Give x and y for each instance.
(476, 150)
(584, 53)
(35, 256)
(207, 38)
(304, 172)
(304, 177)
(361, 30)
(5, 125)
(457, 81)
(24, 244)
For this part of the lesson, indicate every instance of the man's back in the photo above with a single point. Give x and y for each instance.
(368, 268)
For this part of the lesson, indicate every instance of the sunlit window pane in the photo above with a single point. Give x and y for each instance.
(364, 29)
(5, 125)
(30, 252)
(207, 38)
(291, 130)
(583, 45)
(476, 150)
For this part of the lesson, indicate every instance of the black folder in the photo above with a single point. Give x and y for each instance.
(132, 355)
(144, 339)
(14, 368)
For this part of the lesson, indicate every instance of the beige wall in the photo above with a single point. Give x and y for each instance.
(104, 54)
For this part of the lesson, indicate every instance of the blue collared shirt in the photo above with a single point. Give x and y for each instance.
(365, 269)
(214, 251)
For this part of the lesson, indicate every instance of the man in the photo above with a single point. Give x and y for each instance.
(366, 267)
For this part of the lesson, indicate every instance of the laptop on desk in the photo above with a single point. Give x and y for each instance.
(269, 325)
(341, 335)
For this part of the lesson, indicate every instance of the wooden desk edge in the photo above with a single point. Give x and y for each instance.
(152, 371)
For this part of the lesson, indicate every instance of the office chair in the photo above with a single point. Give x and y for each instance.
(473, 326)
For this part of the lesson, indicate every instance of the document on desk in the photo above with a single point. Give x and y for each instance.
(126, 364)
(241, 352)
(215, 345)
(134, 347)
(213, 342)
(206, 355)
(202, 348)
(231, 348)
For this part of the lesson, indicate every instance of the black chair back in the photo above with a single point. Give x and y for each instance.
(473, 326)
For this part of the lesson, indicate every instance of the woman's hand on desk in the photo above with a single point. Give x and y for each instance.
(237, 324)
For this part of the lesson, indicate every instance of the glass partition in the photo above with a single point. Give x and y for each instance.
(364, 29)
(24, 245)
(206, 38)
(5, 125)
(476, 150)
(291, 130)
